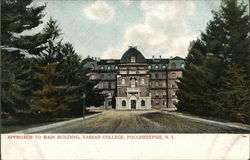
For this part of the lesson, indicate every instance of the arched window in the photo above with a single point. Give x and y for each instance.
(109, 67)
(133, 83)
(149, 67)
(173, 66)
(163, 67)
(123, 81)
(156, 67)
(102, 67)
(142, 81)
(142, 103)
(123, 103)
(116, 67)
(182, 65)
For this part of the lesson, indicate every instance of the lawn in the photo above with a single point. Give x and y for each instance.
(21, 123)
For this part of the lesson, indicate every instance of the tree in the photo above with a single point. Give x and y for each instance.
(235, 95)
(48, 99)
(15, 82)
(19, 16)
(213, 79)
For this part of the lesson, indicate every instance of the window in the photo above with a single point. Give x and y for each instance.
(157, 102)
(109, 85)
(156, 84)
(164, 75)
(102, 67)
(164, 102)
(123, 103)
(142, 103)
(173, 95)
(156, 76)
(92, 77)
(163, 84)
(123, 81)
(163, 67)
(132, 59)
(149, 67)
(109, 95)
(156, 94)
(182, 65)
(164, 94)
(142, 81)
(109, 67)
(116, 67)
(156, 67)
(133, 83)
(173, 75)
(173, 66)
(93, 67)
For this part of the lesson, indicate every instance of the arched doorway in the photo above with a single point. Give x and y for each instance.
(133, 104)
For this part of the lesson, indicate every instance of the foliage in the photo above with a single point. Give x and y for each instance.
(215, 82)
(49, 96)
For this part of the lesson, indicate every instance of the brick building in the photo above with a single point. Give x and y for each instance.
(135, 82)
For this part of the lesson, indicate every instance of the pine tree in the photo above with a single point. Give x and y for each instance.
(235, 95)
(49, 96)
(213, 79)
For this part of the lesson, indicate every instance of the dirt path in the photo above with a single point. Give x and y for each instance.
(141, 122)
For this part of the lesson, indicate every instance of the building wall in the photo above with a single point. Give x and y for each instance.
(158, 90)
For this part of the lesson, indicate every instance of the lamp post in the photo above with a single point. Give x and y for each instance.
(83, 105)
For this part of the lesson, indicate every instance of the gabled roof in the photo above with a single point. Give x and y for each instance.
(132, 51)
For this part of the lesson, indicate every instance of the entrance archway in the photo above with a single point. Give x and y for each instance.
(133, 104)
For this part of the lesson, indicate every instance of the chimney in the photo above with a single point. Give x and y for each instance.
(160, 56)
(171, 57)
(95, 58)
(153, 57)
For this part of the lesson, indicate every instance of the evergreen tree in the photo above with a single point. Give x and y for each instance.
(213, 79)
(15, 82)
(235, 104)
(48, 100)
(19, 16)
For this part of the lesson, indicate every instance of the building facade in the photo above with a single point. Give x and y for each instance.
(135, 82)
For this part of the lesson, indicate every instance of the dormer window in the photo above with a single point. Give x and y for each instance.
(173, 66)
(182, 65)
(132, 59)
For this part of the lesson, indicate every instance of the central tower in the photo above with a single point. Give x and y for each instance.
(133, 91)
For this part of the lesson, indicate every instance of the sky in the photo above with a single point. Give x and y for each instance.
(106, 28)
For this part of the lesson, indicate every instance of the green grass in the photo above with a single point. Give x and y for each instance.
(21, 123)
(211, 118)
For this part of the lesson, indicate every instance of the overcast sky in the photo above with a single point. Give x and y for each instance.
(106, 28)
